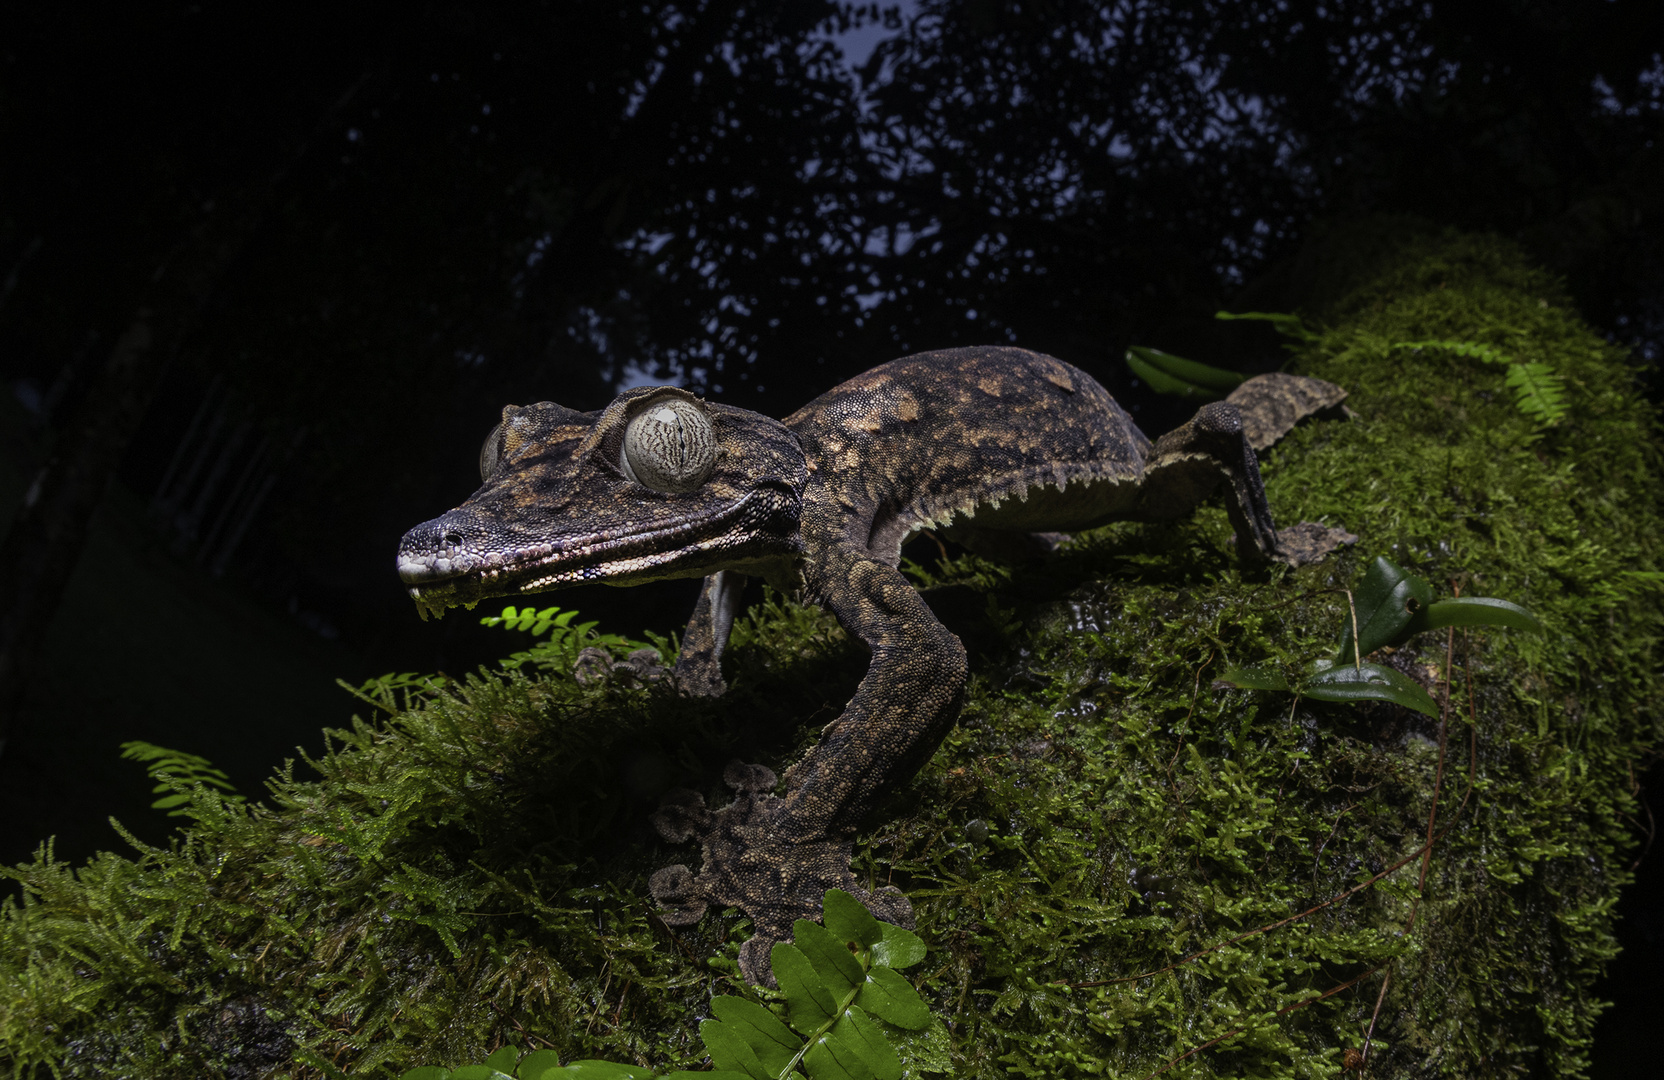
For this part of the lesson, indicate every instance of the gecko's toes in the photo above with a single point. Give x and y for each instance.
(888, 904)
(752, 863)
(755, 967)
(755, 779)
(593, 666)
(679, 901)
(1309, 542)
(682, 815)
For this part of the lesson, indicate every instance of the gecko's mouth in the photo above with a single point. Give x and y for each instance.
(461, 558)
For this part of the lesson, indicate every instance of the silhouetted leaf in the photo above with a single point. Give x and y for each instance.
(1291, 325)
(1169, 374)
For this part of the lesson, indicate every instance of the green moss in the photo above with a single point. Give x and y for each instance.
(471, 869)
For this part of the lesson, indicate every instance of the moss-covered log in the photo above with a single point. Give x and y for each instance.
(1093, 849)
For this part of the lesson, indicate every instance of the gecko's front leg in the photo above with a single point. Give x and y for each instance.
(774, 857)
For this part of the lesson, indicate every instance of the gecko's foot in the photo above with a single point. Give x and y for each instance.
(1309, 542)
(596, 665)
(751, 865)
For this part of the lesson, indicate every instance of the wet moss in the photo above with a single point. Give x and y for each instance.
(469, 866)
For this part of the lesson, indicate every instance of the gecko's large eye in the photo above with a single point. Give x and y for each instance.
(489, 452)
(669, 446)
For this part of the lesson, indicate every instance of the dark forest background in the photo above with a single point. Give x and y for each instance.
(269, 272)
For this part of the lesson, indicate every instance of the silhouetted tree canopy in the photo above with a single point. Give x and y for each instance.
(452, 206)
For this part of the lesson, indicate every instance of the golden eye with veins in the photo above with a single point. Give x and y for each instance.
(489, 452)
(669, 446)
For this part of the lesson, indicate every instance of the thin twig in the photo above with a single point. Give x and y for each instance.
(1357, 657)
(1370, 1034)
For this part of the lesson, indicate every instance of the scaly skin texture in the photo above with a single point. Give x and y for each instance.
(976, 442)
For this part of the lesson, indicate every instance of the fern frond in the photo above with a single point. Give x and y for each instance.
(1478, 351)
(1538, 392)
(177, 773)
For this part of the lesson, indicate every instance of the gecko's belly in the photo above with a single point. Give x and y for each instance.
(1082, 503)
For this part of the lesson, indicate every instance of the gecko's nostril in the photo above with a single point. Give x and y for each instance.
(451, 538)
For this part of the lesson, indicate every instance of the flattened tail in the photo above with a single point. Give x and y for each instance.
(1272, 404)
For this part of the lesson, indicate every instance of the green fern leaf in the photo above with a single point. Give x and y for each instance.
(892, 999)
(1478, 351)
(730, 1048)
(899, 948)
(1287, 324)
(1538, 392)
(809, 1004)
(864, 1041)
(849, 920)
(772, 1042)
(836, 966)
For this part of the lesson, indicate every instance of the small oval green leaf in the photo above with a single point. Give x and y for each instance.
(866, 1040)
(899, 949)
(892, 999)
(1254, 677)
(772, 1041)
(592, 1069)
(478, 1072)
(1367, 682)
(848, 919)
(729, 1049)
(1478, 611)
(836, 966)
(829, 1059)
(536, 1063)
(808, 1004)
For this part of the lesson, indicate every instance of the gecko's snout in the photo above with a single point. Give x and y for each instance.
(442, 548)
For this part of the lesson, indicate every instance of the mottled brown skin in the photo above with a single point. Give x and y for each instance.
(975, 442)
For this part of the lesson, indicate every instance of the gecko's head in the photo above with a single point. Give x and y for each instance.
(659, 484)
